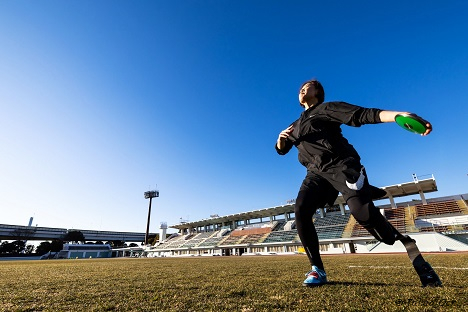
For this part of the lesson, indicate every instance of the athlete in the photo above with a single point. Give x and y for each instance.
(334, 166)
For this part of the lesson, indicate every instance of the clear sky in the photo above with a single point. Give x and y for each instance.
(103, 100)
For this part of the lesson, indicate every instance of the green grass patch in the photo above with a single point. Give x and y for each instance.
(260, 283)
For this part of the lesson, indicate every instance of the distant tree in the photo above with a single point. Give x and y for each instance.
(99, 243)
(43, 248)
(5, 247)
(15, 247)
(116, 243)
(74, 237)
(153, 239)
(54, 246)
(29, 249)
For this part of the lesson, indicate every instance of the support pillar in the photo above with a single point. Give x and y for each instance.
(322, 213)
(392, 201)
(342, 209)
(423, 198)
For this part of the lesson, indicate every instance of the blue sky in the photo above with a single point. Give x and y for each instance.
(103, 100)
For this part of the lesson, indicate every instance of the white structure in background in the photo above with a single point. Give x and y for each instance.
(162, 231)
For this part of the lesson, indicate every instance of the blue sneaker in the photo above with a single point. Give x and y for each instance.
(315, 277)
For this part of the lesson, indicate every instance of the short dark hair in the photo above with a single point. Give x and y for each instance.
(319, 92)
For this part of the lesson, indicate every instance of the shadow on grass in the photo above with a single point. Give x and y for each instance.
(397, 284)
(367, 283)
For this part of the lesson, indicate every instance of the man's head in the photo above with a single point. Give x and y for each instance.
(311, 93)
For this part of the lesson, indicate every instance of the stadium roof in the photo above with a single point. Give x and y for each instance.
(411, 188)
(398, 190)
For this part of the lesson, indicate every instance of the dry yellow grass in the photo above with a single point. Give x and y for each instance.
(268, 283)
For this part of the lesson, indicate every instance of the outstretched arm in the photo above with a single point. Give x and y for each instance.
(389, 116)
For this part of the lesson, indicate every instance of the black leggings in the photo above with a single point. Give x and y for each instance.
(311, 198)
(316, 191)
(304, 210)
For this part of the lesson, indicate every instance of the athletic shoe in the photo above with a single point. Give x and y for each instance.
(315, 277)
(428, 276)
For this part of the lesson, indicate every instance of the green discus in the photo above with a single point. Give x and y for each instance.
(411, 123)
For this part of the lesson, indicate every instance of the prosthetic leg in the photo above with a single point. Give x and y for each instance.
(426, 273)
(384, 232)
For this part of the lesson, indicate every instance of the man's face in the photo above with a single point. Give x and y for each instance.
(307, 94)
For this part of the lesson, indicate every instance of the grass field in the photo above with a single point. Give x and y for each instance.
(257, 283)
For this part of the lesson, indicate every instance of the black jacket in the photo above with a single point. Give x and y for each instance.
(317, 133)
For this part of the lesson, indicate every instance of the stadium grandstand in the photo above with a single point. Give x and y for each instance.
(437, 224)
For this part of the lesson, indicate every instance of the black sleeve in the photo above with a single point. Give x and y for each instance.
(286, 149)
(289, 143)
(352, 115)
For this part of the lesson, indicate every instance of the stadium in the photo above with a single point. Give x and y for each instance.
(437, 224)
(173, 274)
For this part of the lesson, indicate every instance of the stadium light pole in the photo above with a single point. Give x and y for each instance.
(150, 195)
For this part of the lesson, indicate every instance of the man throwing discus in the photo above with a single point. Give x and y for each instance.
(333, 166)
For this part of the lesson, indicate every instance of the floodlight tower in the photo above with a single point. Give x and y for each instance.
(150, 195)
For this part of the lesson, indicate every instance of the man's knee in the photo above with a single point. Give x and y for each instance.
(379, 227)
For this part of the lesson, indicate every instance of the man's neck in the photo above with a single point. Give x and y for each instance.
(309, 105)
